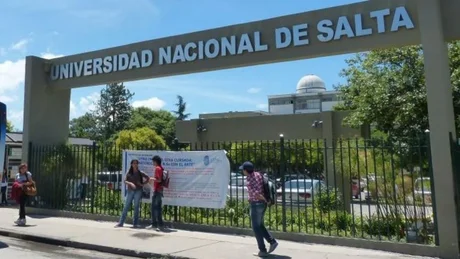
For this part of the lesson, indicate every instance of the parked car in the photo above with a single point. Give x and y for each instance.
(358, 187)
(233, 174)
(111, 180)
(237, 188)
(289, 177)
(300, 190)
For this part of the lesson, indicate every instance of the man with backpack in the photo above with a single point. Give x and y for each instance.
(259, 196)
(157, 198)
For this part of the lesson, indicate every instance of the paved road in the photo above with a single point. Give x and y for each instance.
(16, 248)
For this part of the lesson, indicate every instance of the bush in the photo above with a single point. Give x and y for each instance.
(388, 226)
(108, 201)
(328, 199)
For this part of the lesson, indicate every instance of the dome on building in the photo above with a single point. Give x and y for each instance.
(310, 84)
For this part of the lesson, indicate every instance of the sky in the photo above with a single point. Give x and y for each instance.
(54, 28)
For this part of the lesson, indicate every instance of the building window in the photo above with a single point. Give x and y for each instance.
(313, 104)
(280, 101)
(308, 104)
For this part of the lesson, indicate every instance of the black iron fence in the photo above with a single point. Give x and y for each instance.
(371, 189)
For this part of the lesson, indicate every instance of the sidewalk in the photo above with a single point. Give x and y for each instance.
(102, 236)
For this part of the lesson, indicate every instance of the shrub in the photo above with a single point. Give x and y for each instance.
(328, 199)
(382, 225)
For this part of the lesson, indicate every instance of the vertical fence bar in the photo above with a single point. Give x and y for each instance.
(93, 175)
(283, 186)
(176, 148)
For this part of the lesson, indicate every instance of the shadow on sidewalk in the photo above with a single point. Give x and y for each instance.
(24, 226)
(3, 245)
(39, 216)
(143, 235)
(279, 256)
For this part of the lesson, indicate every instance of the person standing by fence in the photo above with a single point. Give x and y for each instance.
(258, 206)
(134, 181)
(157, 198)
(4, 187)
(22, 180)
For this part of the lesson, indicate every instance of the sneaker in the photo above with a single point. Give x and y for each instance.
(137, 226)
(261, 254)
(118, 225)
(152, 227)
(20, 222)
(273, 246)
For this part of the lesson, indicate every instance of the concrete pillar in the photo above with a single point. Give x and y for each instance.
(46, 110)
(441, 119)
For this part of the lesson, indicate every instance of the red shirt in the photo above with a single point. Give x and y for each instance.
(255, 184)
(158, 174)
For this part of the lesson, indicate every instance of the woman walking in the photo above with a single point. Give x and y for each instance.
(23, 179)
(134, 181)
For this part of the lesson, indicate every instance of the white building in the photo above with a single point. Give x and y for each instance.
(310, 97)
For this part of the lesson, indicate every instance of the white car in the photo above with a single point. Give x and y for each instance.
(300, 190)
(237, 188)
(290, 177)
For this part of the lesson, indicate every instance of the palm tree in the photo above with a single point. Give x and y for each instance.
(181, 108)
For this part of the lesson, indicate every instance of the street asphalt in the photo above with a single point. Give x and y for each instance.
(18, 248)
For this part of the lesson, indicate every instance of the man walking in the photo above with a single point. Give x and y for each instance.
(258, 205)
(157, 198)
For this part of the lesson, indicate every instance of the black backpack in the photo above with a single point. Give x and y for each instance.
(269, 190)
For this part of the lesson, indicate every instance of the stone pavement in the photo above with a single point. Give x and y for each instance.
(144, 243)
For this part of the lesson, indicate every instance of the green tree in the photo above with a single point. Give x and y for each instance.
(113, 110)
(9, 126)
(84, 127)
(139, 138)
(181, 109)
(163, 122)
(386, 88)
(299, 156)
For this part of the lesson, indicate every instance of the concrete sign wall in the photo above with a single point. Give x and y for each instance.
(332, 31)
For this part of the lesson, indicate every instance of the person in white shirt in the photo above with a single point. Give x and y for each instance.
(4, 187)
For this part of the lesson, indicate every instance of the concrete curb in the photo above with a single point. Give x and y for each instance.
(85, 246)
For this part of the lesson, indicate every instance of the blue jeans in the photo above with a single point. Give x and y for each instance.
(135, 195)
(157, 203)
(257, 220)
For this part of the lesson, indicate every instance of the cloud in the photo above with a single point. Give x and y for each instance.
(16, 117)
(48, 55)
(85, 104)
(11, 75)
(73, 110)
(262, 106)
(254, 90)
(7, 99)
(20, 45)
(153, 103)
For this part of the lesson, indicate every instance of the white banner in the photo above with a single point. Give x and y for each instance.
(197, 178)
